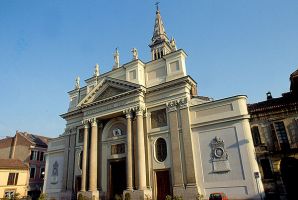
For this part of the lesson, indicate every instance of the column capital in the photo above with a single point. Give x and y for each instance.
(93, 121)
(183, 103)
(172, 105)
(128, 111)
(140, 110)
(85, 123)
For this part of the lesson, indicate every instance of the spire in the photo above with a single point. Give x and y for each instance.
(160, 44)
(159, 33)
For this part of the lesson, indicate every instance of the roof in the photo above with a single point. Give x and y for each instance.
(12, 164)
(286, 102)
(37, 140)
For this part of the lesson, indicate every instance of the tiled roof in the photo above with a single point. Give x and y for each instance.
(285, 102)
(38, 140)
(12, 164)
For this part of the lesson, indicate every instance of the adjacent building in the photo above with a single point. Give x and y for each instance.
(274, 127)
(141, 130)
(30, 149)
(13, 178)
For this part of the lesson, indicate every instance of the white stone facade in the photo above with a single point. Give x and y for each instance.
(145, 132)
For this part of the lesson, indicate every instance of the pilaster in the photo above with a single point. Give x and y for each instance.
(175, 147)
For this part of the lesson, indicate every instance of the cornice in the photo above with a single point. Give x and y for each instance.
(218, 121)
(175, 82)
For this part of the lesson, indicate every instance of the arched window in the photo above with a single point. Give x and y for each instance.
(160, 149)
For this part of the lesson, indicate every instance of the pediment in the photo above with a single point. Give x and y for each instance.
(109, 92)
(108, 88)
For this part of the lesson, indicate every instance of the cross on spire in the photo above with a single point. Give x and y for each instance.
(157, 8)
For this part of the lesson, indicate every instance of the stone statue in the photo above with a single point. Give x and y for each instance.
(96, 71)
(134, 53)
(173, 44)
(77, 85)
(116, 59)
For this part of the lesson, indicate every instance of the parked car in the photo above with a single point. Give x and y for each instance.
(218, 196)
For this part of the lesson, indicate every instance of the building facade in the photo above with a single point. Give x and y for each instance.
(31, 150)
(141, 130)
(274, 127)
(14, 178)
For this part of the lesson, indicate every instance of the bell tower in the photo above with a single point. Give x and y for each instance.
(160, 44)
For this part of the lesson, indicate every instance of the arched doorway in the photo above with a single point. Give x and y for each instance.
(113, 161)
(289, 173)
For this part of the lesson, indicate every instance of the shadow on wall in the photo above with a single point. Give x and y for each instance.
(241, 142)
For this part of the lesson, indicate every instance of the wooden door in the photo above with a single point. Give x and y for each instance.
(163, 184)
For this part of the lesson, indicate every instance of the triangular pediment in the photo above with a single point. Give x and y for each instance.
(109, 92)
(108, 88)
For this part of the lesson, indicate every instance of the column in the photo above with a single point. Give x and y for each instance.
(175, 145)
(187, 143)
(93, 157)
(141, 150)
(99, 154)
(129, 166)
(85, 149)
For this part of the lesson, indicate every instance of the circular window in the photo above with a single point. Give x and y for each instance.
(219, 152)
(160, 149)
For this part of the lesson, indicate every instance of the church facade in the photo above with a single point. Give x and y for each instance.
(141, 131)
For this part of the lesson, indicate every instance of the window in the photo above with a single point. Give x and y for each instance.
(41, 175)
(132, 75)
(266, 167)
(32, 172)
(34, 155)
(158, 118)
(12, 178)
(161, 149)
(41, 157)
(282, 135)
(256, 135)
(81, 135)
(9, 194)
(174, 66)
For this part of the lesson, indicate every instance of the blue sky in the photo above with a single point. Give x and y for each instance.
(233, 46)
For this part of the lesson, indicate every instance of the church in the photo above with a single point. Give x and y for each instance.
(141, 131)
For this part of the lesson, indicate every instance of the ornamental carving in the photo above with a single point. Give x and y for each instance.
(219, 156)
(54, 175)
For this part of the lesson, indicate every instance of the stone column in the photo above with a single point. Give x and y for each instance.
(129, 166)
(93, 157)
(99, 155)
(85, 153)
(175, 145)
(187, 143)
(141, 151)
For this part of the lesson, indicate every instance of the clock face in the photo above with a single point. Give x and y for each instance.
(218, 152)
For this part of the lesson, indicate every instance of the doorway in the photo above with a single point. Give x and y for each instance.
(163, 185)
(117, 183)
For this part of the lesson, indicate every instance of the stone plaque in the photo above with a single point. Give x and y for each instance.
(117, 149)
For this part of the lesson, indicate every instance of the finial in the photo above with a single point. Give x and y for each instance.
(116, 59)
(134, 54)
(77, 85)
(157, 8)
(96, 70)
